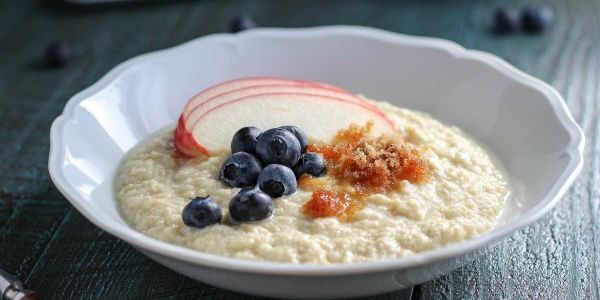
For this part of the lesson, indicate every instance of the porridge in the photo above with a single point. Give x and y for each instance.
(357, 210)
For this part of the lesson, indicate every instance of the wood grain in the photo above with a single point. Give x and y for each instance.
(555, 258)
(48, 244)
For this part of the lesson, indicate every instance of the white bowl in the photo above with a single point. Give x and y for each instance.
(521, 119)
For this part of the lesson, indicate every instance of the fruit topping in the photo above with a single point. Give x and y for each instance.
(232, 89)
(324, 112)
(244, 140)
(318, 108)
(201, 212)
(278, 146)
(279, 150)
(250, 204)
(241, 169)
(277, 180)
(299, 134)
(310, 163)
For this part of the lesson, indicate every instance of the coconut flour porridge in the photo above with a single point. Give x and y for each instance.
(395, 183)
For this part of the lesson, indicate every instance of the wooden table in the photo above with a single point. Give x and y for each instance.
(57, 252)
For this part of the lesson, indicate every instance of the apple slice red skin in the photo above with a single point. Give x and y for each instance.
(279, 81)
(372, 108)
(195, 145)
(184, 142)
(339, 94)
(183, 139)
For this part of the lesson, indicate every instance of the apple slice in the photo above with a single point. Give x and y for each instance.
(199, 111)
(235, 84)
(184, 141)
(319, 116)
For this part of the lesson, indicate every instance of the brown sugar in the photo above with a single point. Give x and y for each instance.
(372, 164)
(365, 163)
(327, 203)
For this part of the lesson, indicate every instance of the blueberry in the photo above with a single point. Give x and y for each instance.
(250, 204)
(277, 180)
(240, 170)
(278, 146)
(310, 163)
(535, 18)
(244, 140)
(242, 22)
(201, 212)
(299, 134)
(505, 20)
(58, 54)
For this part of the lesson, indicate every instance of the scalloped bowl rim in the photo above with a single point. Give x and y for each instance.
(138, 240)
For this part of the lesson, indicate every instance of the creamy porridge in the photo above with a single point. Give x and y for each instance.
(463, 199)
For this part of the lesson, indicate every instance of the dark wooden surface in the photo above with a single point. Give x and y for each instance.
(49, 245)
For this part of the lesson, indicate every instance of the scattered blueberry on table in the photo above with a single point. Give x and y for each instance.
(277, 180)
(244, 140)
(242, 22)
(310, 163)
(532, 19)
(506, 20)
(278, 146)
(201, 212)
(250, 204)
(58, 54)
(536, 18)
(241, 169)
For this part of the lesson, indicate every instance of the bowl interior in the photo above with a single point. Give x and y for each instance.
(511, 117)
